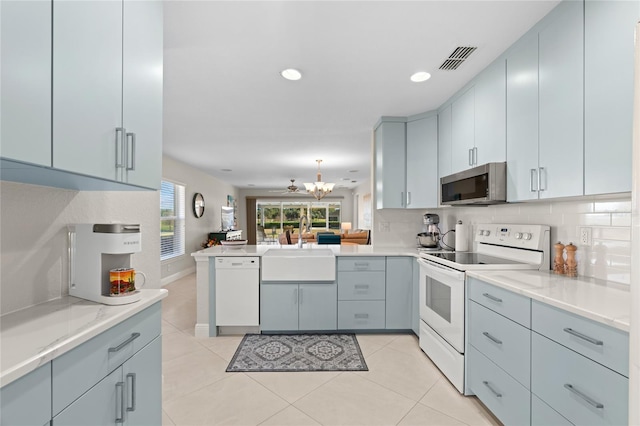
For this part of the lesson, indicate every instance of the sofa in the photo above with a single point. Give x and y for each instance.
(358, 236)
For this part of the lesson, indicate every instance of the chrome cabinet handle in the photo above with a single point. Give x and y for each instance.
(408, 198)
(131, 137)
(361, 316)
(361, 265)
(492, 297)
(133, 337)
(542, 169)
(493, 391)
(295, 296)
(590, 401)
(471, 156)
(120, 131)
(532, 180)
(120, 389)
(583, 336)
(475, 155)
(493, 339)
(361, 286)
(132, 376)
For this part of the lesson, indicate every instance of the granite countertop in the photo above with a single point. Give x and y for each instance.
(338, 250)
(601, 301)
(35, 335)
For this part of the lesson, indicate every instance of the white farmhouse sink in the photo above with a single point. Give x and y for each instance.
(300, 264)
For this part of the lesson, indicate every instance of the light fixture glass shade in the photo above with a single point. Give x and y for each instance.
(346, 227)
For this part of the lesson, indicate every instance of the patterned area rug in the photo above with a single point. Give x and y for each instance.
(298, 352)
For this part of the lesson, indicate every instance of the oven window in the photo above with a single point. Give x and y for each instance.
(439, 298)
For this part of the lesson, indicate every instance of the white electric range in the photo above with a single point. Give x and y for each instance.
(442, 286)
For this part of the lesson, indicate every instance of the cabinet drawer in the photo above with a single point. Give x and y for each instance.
(365, 285)
(601, 343)
(358, 263)
(27, 401)
(79, 369)
(543, 415)
(578, 388)
(513, 306)
(354, 315)
(503, 341)
(507, 399)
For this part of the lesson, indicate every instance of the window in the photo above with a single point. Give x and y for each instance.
(274, 217)
(172, 208)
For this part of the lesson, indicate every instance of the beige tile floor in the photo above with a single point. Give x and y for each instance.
(402, 386)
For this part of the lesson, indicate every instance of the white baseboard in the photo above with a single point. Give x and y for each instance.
(171, 278)
(202, 330)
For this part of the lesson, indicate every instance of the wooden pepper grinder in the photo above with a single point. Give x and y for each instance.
(572, 264)
(558, 261)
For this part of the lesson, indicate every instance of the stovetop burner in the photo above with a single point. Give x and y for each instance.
(469, 258)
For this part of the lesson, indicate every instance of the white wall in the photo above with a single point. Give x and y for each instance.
(197, 230)
(33, 237)
(608, 257)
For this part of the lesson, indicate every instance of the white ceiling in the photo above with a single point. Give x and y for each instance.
(226, 106)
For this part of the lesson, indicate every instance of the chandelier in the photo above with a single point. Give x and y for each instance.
(319, 189)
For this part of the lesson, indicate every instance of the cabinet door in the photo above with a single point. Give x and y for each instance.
(87, 85)
(608, 102)
(26, 81)
(444, 142)
(27, 401)
(278, 307)
(399, 279)
(142, 91)
(390, 157)
(561, 104)
(142, 375)
(422, 163)
(100, 405)
(490, 116)
(318, 306)
(522, 120)
(462, 131)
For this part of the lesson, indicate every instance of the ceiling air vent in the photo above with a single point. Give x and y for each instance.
(457, 57)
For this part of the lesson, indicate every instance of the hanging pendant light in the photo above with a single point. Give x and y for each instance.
(319, 189)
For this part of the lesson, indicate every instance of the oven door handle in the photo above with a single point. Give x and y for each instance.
(441, 269)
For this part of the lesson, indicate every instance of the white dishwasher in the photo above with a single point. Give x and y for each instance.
(237, 291)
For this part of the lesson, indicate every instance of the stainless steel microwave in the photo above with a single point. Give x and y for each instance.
(482, 185)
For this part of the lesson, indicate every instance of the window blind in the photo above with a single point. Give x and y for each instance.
(172, 220)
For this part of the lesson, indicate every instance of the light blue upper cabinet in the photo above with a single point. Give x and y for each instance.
(463, 131)
(490, 115)
(390, 166)
(87, 86)
(26, 81)
(561, 104)
(142, 91)
(444, 142)
(107, 90)
(422, 163)
(608, 103)
(522, 119)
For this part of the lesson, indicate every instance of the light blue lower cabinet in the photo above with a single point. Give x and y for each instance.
(291, 306)
(543, 415)
(27, 401)
(399, 297)
(507, 399)
(129, 396)
(578, 388)
(361, 314)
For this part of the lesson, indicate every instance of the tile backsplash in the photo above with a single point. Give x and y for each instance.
(608, 257)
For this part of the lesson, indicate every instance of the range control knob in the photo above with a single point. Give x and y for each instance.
(486, 233)
(518, 235)
(527, 235)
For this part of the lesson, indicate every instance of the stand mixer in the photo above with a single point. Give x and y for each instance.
(430, 237)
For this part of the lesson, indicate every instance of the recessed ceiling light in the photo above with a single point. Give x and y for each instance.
(226, 170)
(354, 171)
(291, 74)
(420, 76)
